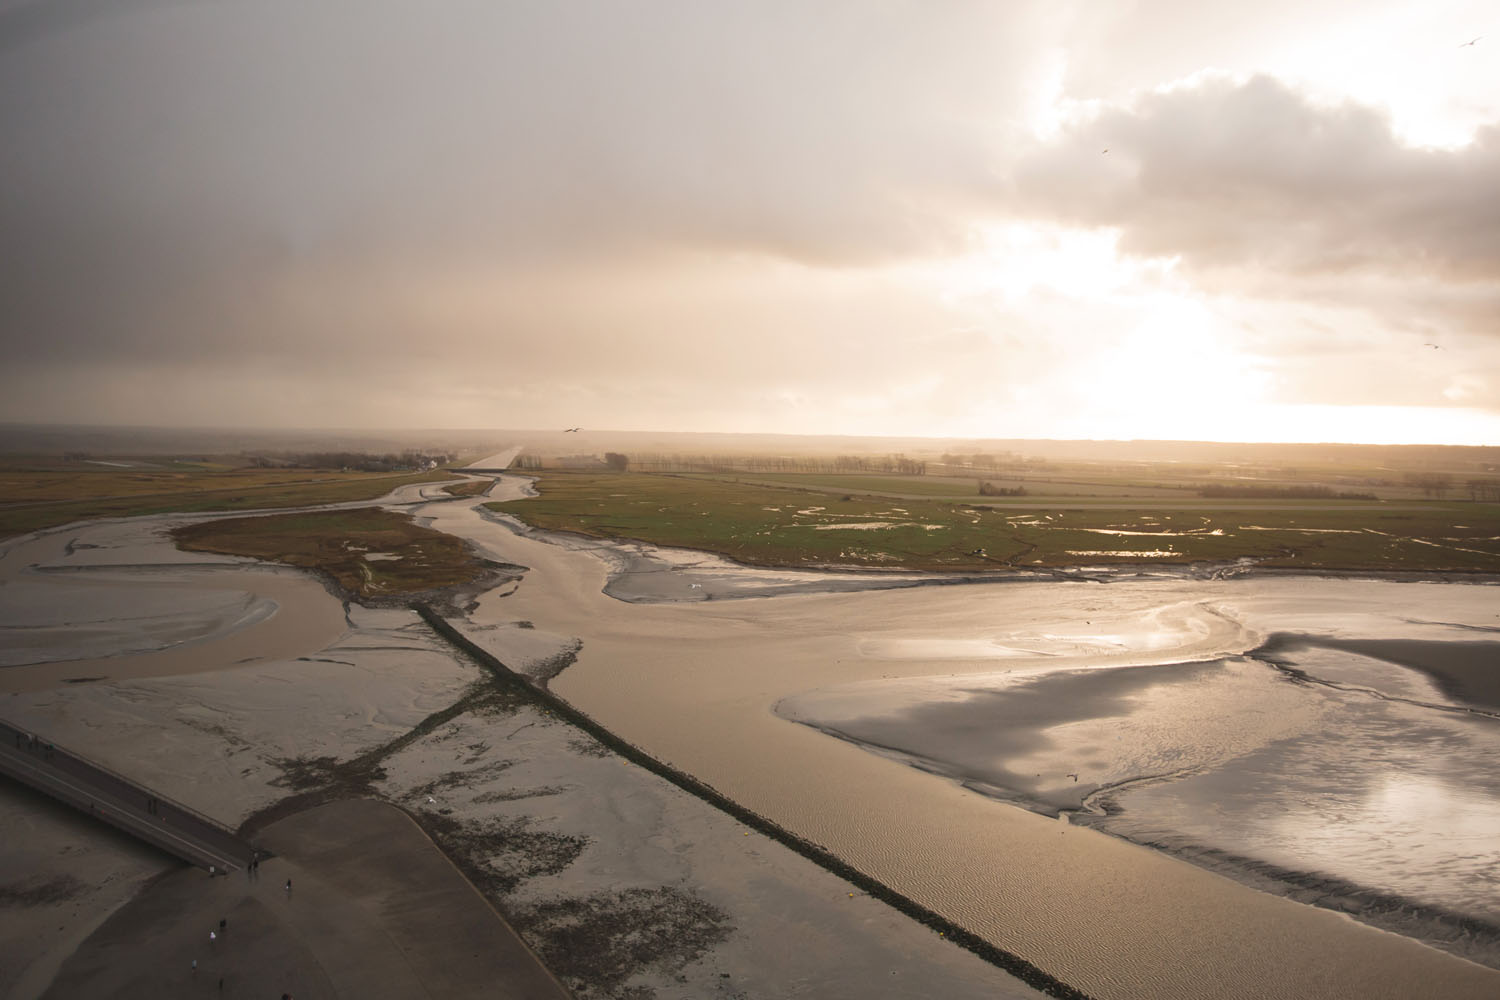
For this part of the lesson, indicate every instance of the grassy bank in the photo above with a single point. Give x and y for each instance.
(781, 525)
(36, 495)
(472, 488)
(369, 553)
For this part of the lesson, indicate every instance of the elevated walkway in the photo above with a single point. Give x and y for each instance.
(114, 799)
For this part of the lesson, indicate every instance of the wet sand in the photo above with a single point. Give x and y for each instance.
(120, 588)
(375, 910)
(1467, 671)
(696, 684)
(628, 884)
(1330, 780)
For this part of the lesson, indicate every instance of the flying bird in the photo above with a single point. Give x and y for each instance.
(1104, 150)
(1470, 42)
(1433, 346)
(571, 430)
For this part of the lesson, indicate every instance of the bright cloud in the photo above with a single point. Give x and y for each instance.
(844, 218)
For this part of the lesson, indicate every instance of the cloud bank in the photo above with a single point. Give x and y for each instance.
(722, 216)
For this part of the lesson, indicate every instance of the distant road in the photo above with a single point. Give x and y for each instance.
(498, 462)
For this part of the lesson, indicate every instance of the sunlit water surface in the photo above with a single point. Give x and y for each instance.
(1332, 777)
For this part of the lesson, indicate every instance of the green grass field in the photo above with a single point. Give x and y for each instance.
(779, 525)
(472, 488)
(369, 552)
(44, 494)
(956, 488)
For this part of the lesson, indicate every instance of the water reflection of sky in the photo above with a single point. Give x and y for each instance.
(1382, 798)
(1356, 789)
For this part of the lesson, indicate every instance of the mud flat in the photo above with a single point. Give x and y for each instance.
(625, 885)
(584, 851)
(375, 909)
(697, 684)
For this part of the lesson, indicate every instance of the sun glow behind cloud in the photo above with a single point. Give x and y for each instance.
(911, 226)
(1130, 348)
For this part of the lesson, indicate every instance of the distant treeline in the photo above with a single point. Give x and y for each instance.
(652, 462)
(1280, 493)
(1484, 490)
(358, 461)
(989, 489)
(989, 462)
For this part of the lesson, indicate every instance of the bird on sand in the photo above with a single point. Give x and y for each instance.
(1433, 346)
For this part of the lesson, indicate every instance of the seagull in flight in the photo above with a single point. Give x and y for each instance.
(1433, 346)
(1470, 42)
(571, 430)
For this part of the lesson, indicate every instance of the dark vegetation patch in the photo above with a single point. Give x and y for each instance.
(499, 854)
(517, 794)
(413, 559)
(460, 779)
(316, 780)
(587, 746)
(597, 943)
(301, 774)
(37, 891)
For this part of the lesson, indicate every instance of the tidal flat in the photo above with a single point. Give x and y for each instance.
(1165, 661)
(627, 886)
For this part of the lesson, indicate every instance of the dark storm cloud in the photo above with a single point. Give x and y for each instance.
(35, 20)
(1253, 176)
(249, 178)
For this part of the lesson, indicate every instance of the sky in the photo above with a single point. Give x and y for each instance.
(1182, 219)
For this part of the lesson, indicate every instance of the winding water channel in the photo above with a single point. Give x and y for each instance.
(1129, 784)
